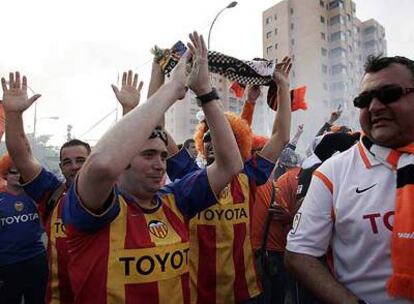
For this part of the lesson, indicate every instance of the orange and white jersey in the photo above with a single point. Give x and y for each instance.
(350, 207)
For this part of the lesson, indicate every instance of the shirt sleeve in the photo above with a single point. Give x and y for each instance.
(180, 164)
(42, 187)
(258, 169)
(77, 216)
(193, 193)
(313, 223)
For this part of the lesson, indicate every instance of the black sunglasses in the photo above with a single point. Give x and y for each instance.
(158, 132)
(13, 171)
(386, 94)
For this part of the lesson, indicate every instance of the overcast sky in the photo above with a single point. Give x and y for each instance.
(71, 51)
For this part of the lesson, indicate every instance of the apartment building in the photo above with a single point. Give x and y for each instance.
(329, 45)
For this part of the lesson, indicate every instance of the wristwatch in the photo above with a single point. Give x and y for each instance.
(203, 99)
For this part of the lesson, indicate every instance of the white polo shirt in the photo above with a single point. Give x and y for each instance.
(350, 207)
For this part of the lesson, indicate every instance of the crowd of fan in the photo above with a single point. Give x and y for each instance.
(229, 216)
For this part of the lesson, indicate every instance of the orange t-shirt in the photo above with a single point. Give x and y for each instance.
(285, 196)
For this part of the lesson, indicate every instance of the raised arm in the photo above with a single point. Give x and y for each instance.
(15, 102)
(295, 139)
(334, 117)
(253, 92)
(281, 125)
(157, 79)
(129, 95)
(227, 161)
(116, 149)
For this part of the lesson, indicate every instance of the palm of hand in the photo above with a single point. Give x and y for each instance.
(281, 77)
(15, 99)
(199, 77)
(129, 96)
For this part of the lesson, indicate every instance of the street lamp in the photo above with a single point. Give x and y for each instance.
(231, 5)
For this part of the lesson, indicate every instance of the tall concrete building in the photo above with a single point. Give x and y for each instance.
(329, 45)
(181, 119)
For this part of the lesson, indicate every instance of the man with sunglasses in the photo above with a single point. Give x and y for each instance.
(360, 202)
(46, 189)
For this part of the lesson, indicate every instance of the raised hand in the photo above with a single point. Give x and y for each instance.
(130, 94)
(253, 92)
(199, 80)
(179, 75)
(299, 129)
(15, 97)
(335, 115)
(281, 73)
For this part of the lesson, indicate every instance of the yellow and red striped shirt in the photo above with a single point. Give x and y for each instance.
(130, 254)
(222, 264)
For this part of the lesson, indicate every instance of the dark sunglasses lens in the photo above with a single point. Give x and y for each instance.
(13, 172)
(389, 94)
(363, 100)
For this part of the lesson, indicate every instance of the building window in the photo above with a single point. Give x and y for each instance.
(337, 86)
(349, 33)
(337, 36)
(291, 11)
(275, 31)
(323, 36)
(324, 69)
(348, 16)
(269, 50)
(291, 26)
(293, 41)
(324, 51)
(338, 69)
(336, 52)
(370, 30)
(321, 3)
(275, 46)
(370, 43)
(268, 20)
(336, 19)
(268, 35)
(325, 86)
(336, 3)
(350, 48)
(323, 19)
(275, 16)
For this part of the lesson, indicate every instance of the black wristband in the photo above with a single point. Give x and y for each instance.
(203, 99)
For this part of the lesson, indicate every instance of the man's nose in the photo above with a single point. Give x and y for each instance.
(159, 163)
(376, 105)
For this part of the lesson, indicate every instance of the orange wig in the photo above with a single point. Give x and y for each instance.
(259, 142)
(5, 164)
(241, 130)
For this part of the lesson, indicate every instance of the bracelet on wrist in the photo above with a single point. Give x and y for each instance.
(203, 99)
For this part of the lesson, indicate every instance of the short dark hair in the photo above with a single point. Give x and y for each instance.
(72, 143)
(188, 142)
(160, 133)
(377, 63)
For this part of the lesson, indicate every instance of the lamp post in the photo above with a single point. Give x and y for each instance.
(37, 119)
(231, 5)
